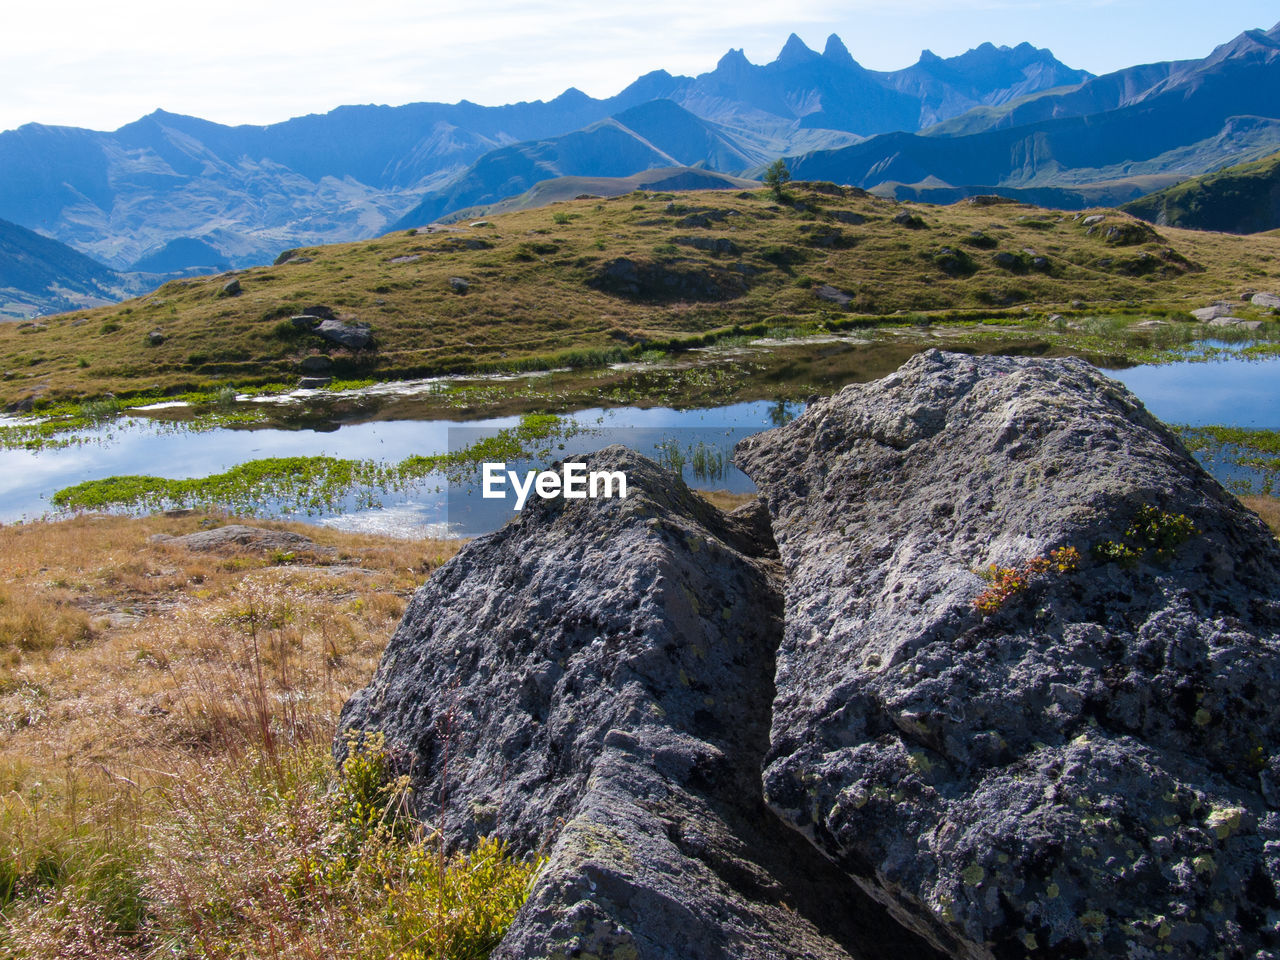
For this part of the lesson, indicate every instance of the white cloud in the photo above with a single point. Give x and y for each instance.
(99, 65)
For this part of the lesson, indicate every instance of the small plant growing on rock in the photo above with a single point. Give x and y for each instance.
(1159, 531)
(1008, 582)
(1151, 531)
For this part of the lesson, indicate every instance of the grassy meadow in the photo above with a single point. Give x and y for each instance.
(543, 288)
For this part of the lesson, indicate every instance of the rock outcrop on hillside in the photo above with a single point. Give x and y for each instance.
(1091, 769)
(821, 746)
(594, 680)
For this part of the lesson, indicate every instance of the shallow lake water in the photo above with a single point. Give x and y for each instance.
(1233, 392)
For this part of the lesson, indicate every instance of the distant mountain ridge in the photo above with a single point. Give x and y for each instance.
(250, 191)
(1187, 117)
(178, 194)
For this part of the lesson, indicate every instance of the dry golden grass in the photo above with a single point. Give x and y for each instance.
(146, 689)
(118, 654)
(725, 500)
(1268, 508)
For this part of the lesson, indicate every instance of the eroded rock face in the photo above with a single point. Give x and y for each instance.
(1094, 768)
(594, 680)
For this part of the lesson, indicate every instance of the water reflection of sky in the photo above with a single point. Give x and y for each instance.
(1239, 393)
(1233, 392)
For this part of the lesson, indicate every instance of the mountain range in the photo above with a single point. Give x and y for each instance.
(249, 191)
(171, 194)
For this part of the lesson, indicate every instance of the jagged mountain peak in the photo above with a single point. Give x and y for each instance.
(733, 60)
(837, 52)
(795, 51)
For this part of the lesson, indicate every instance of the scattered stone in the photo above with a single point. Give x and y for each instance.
(1094, 220)
(486, 223)
(407, 258)
(1225, 322)
(909, 220)
(1220, 308)
(459, 284)
(1089, 769)
(989, 200)
(1150, 324)
(155, 338)
(314, 383)
(354, 335)
(284, 257)
(1130, 232)
(594, 680)
(231, 288)
(32, 327)
(1078, 304)
(305, 321)
(238, 536)
(832, 295)
(315, 363)
(1268, 301)
(1250, 324)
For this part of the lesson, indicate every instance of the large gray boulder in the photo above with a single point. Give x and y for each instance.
(354, 335)
(1093, 768)
(594, 680)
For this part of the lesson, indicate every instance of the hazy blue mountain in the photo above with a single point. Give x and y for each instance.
(655, 134)
(1189, 118)
(39, 275)
(985, 76)
(252, 190)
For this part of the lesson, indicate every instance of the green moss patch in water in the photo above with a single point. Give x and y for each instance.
(309, 484)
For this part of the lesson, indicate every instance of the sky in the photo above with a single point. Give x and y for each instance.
(99, 65)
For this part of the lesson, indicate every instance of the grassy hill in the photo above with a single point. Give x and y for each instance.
(588, 281)
(1240, 199)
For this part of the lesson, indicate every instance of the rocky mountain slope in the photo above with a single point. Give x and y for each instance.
(1073, 756)
(656, 134)
(1240, 199)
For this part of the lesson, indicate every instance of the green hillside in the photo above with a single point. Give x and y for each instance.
(589, 281)
(1240, 199)
(39, 275)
